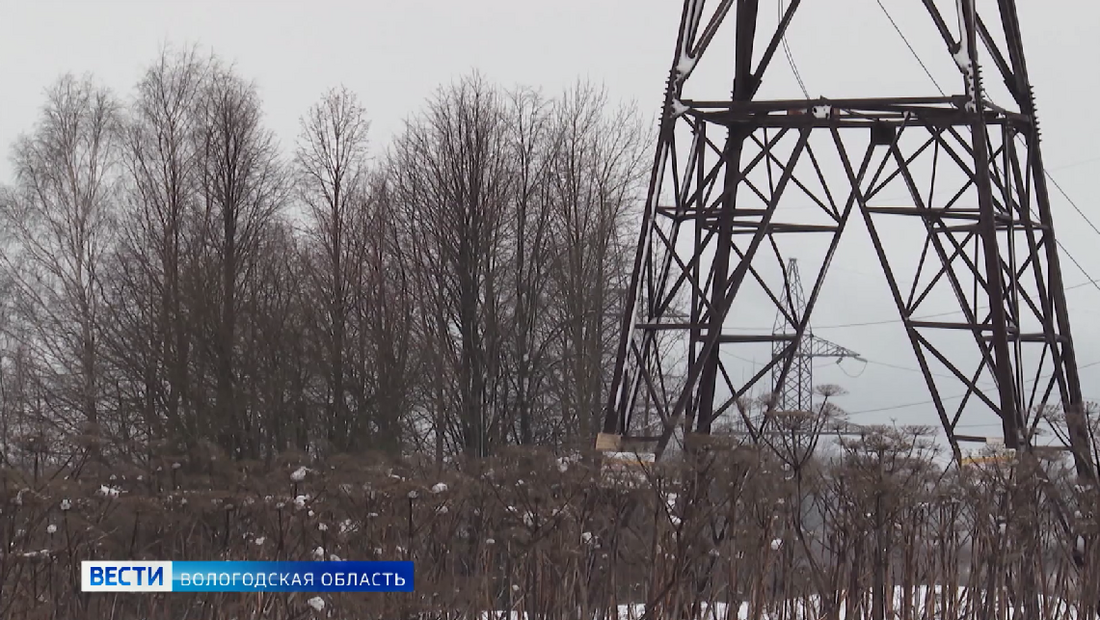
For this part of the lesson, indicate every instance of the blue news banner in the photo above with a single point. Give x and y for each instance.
(139, 576)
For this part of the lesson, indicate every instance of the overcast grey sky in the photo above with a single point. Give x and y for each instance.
(394, 54)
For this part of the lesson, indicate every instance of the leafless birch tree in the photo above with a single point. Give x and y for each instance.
(152, 334)
(62, 218)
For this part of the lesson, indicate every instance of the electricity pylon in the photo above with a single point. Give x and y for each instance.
(796, 389)
(728, 169)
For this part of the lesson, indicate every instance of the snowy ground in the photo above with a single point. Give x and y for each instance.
(810, 609)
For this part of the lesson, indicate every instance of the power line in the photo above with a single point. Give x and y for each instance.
(1071, 202)
(946, 398)
(790, 56)
(1090, 282)
(1093, 283)
(1084, 217)
(910, 46)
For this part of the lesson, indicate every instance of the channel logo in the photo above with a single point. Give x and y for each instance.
(126, 576)
(160, 576)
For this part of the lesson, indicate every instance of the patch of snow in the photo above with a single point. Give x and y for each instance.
(299, 474)
(439, 488)
(317, 603)
(51, 529)
(962, 60)
(809, 608)
(684, 66)
(643, 457)
(66, 504)
(106, 491)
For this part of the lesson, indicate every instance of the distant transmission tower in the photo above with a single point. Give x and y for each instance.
(795, 390)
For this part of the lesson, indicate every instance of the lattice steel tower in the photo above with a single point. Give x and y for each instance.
(728, 173)
(795, 390)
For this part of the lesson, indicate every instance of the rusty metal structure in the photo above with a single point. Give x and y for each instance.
(977, 222)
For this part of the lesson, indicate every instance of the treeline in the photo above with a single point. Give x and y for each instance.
(175, 280)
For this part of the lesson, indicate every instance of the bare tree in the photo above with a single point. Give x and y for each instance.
(452, 176)
(595, 182)
(275, 369)
(514, 207)
(62, 219)
(533, 142)
(387, 370)
(152, 334)
(242, 190)
(331, 158)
